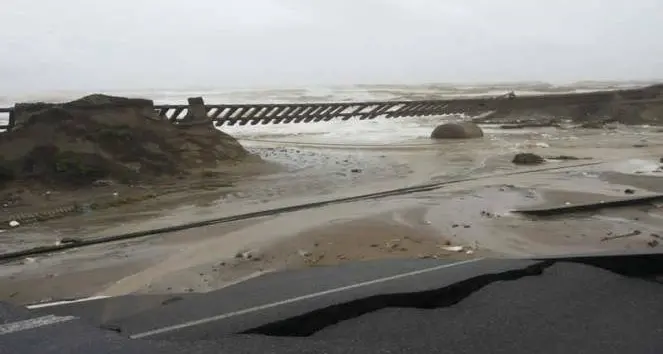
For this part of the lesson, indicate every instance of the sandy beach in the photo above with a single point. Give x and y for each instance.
(471, 218)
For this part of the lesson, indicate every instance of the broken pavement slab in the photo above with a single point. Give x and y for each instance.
(582, 207)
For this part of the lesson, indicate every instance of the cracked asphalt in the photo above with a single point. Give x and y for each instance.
(479, 306)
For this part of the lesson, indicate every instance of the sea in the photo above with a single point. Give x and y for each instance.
(354, 131)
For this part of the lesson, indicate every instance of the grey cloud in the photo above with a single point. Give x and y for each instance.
(89, 45)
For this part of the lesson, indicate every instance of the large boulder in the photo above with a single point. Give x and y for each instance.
(106, 137)
(460, 130)
(528, 158)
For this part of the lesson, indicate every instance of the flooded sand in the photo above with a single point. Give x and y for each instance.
(466, 219)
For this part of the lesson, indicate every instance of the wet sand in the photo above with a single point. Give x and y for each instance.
(475, 215)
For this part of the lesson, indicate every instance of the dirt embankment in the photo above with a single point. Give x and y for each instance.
(100, 140)
(592, 110)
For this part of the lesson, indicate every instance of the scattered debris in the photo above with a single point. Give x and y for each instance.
(567, 158)
(314, 260)
(14, 223)
(487, 214)
(111, 327)
(652, 243)
(453, 248)
(68, 240)
(392, 244)
(629, 191)
(103, 183)
(630, 234)
(532, 124)
(248, 255)
(304, 253)
(355, 170)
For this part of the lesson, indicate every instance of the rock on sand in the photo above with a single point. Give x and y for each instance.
(460, 130)
(527, 159)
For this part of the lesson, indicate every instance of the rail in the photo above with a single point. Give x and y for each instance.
(242, 114)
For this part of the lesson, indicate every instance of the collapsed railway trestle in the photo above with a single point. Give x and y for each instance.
(280, 113)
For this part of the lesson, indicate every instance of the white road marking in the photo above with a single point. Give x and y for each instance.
(295, 299)
(32, 323)
(65, 302)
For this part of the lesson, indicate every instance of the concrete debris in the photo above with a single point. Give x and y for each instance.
(248, 255)
(630, 234)
(453, 248)
(392, 244)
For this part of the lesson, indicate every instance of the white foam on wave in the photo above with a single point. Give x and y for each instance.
(379, 130)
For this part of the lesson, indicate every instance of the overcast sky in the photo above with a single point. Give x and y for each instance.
(136, 44)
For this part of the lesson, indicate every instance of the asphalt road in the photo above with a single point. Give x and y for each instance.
(479, 306)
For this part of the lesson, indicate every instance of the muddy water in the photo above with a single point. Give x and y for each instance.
(315, 170)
